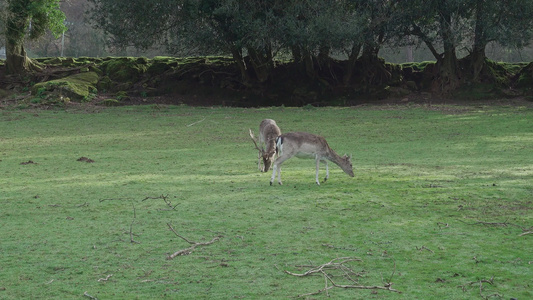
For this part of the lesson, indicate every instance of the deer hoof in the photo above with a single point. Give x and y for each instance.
(271, 183)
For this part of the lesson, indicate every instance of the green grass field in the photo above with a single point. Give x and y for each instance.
(441, 204)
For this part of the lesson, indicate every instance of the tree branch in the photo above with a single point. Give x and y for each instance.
(189, 250)
(339, 264)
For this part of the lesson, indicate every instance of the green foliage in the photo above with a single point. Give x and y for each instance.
(440, 197)
(19, 15)
(257, 32)
(45, 14)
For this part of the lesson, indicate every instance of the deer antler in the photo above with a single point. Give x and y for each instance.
(255, 143)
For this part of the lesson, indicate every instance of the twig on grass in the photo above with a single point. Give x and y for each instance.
(335, 265)
(189, 250)
(165, 198)
(496, 224)
(111, 199)
(424, 248)
(443, 225)
(525, 230)
(480, 282)
(131, 226)
(152, 198)
(106, 278)
(196, 122)
(89, 296)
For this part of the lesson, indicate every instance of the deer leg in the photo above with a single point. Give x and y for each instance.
(317, 159)
(327, 171)
(276, 169)
(259, 161)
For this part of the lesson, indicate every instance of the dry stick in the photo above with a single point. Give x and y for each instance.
(424, 248)
(106, 278)
(87, 295)
(190, 249)
(169, 204)
(504, 224)
(131, 226)
(196, 122)
(393, 271)
(329, 265)
(164, 197)
(480, 282)
(445, 225)
(333, 265)
(109, 199)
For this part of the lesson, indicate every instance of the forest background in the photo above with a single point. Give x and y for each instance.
(342, 48)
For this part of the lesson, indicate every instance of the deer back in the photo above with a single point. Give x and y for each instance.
(303, 144)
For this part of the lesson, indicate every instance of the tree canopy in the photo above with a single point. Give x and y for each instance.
(311, 32)
(28, 19)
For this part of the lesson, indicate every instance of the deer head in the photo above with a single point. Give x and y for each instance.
(268, 159)
(346, 165)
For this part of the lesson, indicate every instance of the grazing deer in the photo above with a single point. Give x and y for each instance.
(268, 132)
(306, 145)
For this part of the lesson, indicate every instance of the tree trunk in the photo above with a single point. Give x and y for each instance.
(350, 64)
(17, 23)
(17, 62)
(449, 77)
(478, 56)
(478, 64)
(239, 61)
(261, 61)
(372, 67)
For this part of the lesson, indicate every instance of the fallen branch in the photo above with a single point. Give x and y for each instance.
(504, 224)
(165, 198)
(480, 282)
(131, 226)
(196, 122)
(106, 278)
(339, 264)
(87, 295)
(443, 225)
(111, 199)
(424, 248)
(189, 250)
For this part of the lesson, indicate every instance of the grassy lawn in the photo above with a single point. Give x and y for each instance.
(440, 205)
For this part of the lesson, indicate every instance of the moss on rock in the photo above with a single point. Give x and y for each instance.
(77, 87)
(524, 79)
(125, 69)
